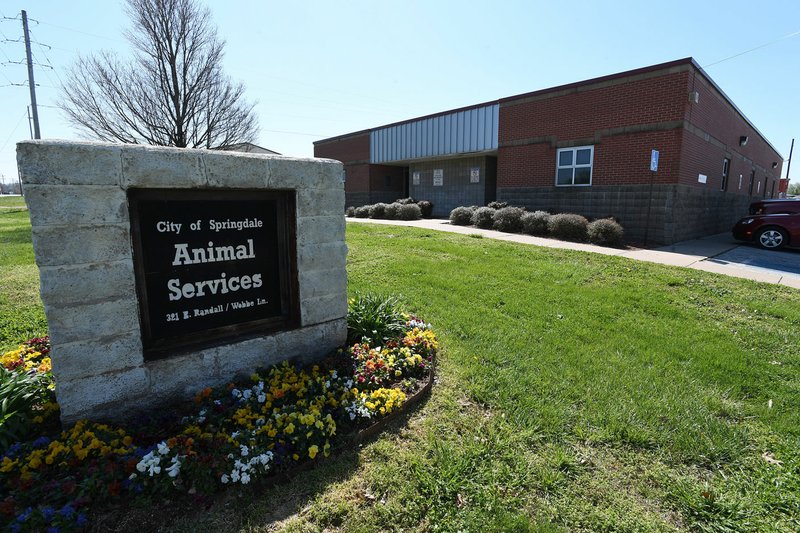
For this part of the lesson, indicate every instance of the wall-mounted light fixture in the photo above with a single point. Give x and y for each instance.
(743, 140)
(774, 164)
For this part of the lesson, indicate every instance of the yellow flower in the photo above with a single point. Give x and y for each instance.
(289, 429)
(313, 451)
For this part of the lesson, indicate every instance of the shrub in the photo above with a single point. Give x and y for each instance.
(484, 217)
(509, 219)
(568, 226)
(535, 223)
(377, 210)
(362, 211)
(461, 216)
(606, 232)
(390, 211)
(378, 318)
(405, 201)
(497, 205)
(409, 212)
(22, 397)
(426, 207)
(350, 211)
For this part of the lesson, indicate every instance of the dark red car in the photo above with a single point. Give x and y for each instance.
(772, 224)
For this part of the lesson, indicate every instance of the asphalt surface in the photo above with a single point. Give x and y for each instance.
(721, 253)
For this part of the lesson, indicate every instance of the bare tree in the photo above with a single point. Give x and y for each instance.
(173, 92)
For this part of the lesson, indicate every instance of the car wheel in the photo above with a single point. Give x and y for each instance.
(771, 238)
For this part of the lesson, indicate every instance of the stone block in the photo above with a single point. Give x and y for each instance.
(69, 163)
(320, 202)
(101, 395)
(323, 308)
(291, 173)
(175, 168)
(321, 256)
(311, 343)
(86, 358)
(316, 230)
(251, 171)
(76, 285)
(93, 321)
(318, 283)
(76, 205)
(70, 245)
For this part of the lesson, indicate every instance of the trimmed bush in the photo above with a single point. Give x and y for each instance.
(426, 207)
(484, 217)
(509, 219)
(350, 211)
(461, 216)
(606, 232)
(409, 212)
(497, 205)
(568, 227)
(362, 211)
(535, 223)
(377, 210)
(405, 201)
(390, 211)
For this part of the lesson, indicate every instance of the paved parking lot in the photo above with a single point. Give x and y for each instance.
(747, 256)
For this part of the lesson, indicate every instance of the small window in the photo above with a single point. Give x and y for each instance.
(752, 182)
(574, 166)
(726, 168)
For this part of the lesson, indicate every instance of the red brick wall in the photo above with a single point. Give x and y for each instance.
(345, 149)
(356, 178)
(720, 127)
(618, 160)
(580, 113)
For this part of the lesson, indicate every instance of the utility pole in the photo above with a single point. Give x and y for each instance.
(31, 84)
(789, 164)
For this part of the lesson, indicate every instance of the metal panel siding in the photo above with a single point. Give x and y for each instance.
(473, 130)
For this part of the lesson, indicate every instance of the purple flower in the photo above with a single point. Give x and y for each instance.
(41, 442)
(24, 515)
(53, 529)
(81, 520)
(48, 513)
(67, 511)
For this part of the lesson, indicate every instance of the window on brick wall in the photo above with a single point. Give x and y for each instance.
(726, 168)
(574, 166)
(752, 182)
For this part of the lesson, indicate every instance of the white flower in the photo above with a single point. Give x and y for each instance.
(224, 478)
(174, 469)
(163, 449)
(235, 476)
(217, 402)
(245, 450)
(262, 398)
(234, 434)
(245, 479)
(236, 393)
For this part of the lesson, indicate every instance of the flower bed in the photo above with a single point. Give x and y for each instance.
(249, 431)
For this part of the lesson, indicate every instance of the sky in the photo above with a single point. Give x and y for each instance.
(318, 69)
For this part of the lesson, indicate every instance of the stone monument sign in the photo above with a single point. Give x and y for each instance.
(166, 270)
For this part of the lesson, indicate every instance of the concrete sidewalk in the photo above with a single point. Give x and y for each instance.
(700, 254)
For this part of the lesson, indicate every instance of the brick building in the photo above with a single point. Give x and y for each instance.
(582, 148)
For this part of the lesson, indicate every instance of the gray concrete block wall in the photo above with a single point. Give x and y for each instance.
(456, 190)
(677, 212)
(77, 198)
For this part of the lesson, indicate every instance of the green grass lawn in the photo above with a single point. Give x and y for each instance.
(575, 392)
(11, 201)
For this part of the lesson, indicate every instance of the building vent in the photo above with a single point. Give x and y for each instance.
(694, 97)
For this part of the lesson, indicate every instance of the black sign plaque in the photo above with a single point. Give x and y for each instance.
(212, 265)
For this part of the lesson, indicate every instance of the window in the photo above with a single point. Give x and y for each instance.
(726, 168)
(574, 166)
(752, 182)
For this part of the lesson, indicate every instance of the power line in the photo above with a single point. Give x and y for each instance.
(25, 114)
(788, 36)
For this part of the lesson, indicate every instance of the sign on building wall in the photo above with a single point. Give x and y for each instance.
(475, 175)
(209, 264)
(438, 177)
(653, 160)
(415, 178)
(702, 178)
